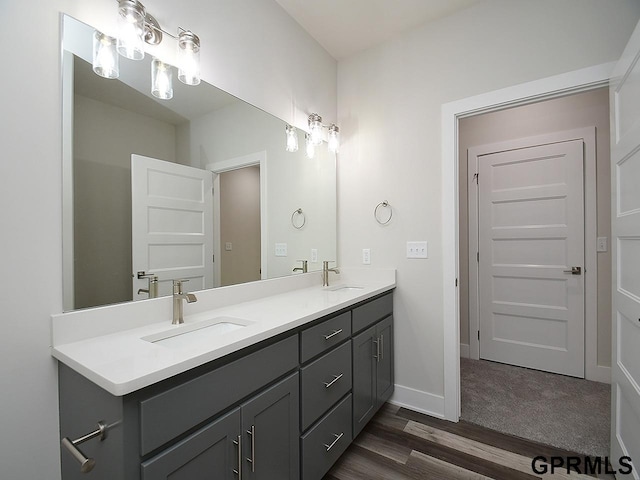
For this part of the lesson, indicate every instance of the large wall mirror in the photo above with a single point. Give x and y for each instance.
(134, 166)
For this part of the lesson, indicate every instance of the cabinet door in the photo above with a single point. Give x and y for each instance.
(364, 378)
(384, 365)
(208, 453)
(271, 430)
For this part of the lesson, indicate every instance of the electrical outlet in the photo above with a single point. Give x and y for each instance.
(314, 255)
(281, 249)
(417, 250)
(366, 256)
(228, 246)
(602, 244)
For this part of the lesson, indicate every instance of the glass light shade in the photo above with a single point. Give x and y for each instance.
(315, 128)
(131, 29)
(310, 147)
(292, 139)
(334, 138)
(189, 58)
(161, 80)
(105, 58)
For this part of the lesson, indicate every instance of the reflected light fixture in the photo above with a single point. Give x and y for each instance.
(315, 128)
(334, 138)
(292, 138)
(105, 57)
(310, 147)
(161, 80)
(188, 58)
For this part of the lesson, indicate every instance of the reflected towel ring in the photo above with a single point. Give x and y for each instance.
(298, 213)
(384, 204)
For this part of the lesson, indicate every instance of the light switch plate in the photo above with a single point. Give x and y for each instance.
(228, 246)
(417, 250)
(602, 244)
(281, 249)
(366, 256)
(314, 255)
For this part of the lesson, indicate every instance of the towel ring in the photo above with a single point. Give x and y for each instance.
(384, 204)
(296, 214)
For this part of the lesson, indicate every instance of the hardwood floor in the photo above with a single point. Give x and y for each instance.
(402, 444)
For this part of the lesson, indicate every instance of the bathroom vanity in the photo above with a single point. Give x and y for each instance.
(281, 402)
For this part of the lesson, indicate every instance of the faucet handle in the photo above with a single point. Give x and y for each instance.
(177, 284)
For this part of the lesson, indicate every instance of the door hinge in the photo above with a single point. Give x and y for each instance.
(456, 282)
(478, 335)
(478, 257)
(213, 257)
(475, 177)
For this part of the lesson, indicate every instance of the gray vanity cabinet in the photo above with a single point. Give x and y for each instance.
(270, 429)
(372, 371)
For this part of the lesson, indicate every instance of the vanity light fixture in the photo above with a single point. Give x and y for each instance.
(315, 128)
(105, 57)
(135, 28)
(310, 147)
(292, 138)
(161, 80)
(334, 138)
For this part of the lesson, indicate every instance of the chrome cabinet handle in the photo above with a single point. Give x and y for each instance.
(574, 271)
(338, 437)
(335, 379)
(381, 347)
(377, 354)
(238, 442)
(333, 334)
(252, 460)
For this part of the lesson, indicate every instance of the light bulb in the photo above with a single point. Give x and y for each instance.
(334, 138)
(315, 128)
(131, 29)
(188, 58)
(292, 138)
(311, 148)
(105, 57)
(161, 80)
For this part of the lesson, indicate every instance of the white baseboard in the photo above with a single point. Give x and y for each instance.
(418, 401)
(598, 374)
(464, 350)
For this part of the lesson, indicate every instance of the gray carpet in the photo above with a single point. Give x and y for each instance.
(565, 412)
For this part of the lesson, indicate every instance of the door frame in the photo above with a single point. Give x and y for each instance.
(588, 136)
(257, 158)
(551, 87)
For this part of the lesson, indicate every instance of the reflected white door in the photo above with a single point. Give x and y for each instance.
(625, 229)
(531, 232)
(172, 226)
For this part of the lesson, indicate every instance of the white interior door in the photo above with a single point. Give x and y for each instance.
(531, 233)
(625, 230)
(172, 226)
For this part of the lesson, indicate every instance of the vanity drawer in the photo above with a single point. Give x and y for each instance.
(371, 312)
(324, 336)
(326, 441)
(174, 411)
(324, 382)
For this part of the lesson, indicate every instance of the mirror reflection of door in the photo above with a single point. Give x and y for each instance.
(240, 225)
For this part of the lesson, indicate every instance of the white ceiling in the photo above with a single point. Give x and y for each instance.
(344, 27)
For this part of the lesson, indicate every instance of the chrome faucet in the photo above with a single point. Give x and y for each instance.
(178, 297)
(302, 269)
(325, 272)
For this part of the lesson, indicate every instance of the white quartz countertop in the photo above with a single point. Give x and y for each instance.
(122, 361)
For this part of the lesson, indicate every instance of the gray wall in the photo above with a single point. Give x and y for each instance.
(581, 110)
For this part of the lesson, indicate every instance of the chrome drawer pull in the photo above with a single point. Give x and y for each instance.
(381, 347)
(238, 442)
(377, 355)
(338, 437)
(252, 460)
(333, 334)
(335, 379)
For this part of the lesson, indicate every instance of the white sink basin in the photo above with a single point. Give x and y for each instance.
(189, 335)
(344, 288)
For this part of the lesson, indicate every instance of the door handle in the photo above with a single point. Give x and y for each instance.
(252, 460)
(574, 271)
(238, 442)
